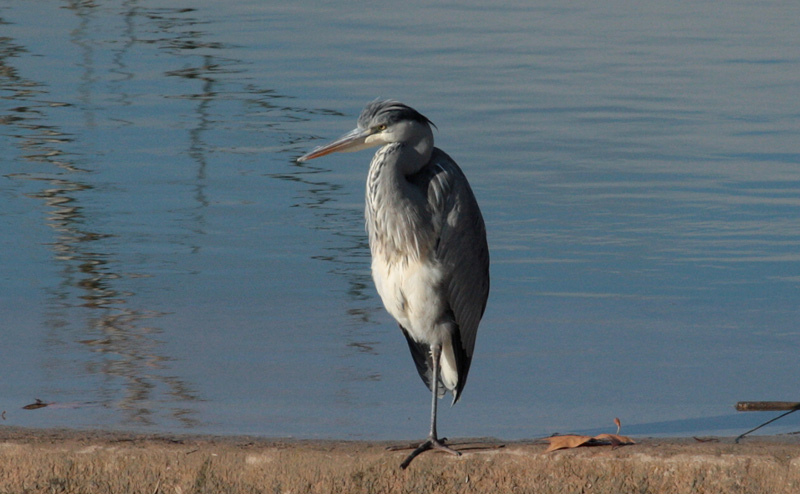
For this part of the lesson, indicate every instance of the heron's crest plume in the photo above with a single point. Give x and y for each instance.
(388, 112)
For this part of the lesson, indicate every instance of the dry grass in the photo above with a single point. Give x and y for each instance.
(91, 462)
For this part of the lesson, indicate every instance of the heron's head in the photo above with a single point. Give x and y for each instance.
(382, 122)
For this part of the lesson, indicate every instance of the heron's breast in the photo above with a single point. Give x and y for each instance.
(411, 291)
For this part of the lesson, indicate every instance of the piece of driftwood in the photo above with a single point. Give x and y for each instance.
(766, 406)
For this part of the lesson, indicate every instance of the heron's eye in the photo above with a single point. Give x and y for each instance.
(381, 127)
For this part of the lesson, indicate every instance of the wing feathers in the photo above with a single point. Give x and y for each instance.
(463, 255)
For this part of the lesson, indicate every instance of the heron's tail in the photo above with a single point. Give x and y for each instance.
(453, 356)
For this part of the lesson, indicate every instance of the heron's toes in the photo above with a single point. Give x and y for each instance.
(440, 444)
(431, 443)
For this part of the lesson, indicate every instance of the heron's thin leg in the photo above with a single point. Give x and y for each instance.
(433, 441)
(436, 354)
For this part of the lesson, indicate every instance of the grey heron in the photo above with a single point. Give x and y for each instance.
(430, 259)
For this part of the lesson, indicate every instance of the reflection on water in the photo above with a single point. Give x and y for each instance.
(93, 304)
(86, 305)
(350, 257)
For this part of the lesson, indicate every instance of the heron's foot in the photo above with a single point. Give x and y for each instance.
(431, 443)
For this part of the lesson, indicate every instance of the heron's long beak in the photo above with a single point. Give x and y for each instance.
(355, 140)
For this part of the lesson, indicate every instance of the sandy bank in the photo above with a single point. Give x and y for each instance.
(92, 462)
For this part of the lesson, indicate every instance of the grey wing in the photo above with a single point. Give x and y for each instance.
(463, 253)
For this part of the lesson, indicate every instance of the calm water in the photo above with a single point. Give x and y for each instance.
(166, 266)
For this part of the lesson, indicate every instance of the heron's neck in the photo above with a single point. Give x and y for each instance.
(414, 152)
(395, 207)
(422, 149)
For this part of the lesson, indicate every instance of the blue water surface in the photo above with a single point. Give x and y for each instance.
(166, 265)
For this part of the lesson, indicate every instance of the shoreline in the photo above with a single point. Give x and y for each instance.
(61, 460)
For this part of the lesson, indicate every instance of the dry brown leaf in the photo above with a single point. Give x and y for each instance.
(614, 439)
(568, 441)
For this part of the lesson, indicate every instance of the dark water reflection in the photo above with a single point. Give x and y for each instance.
(165, 263)
(86, 308)
(99, 327)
